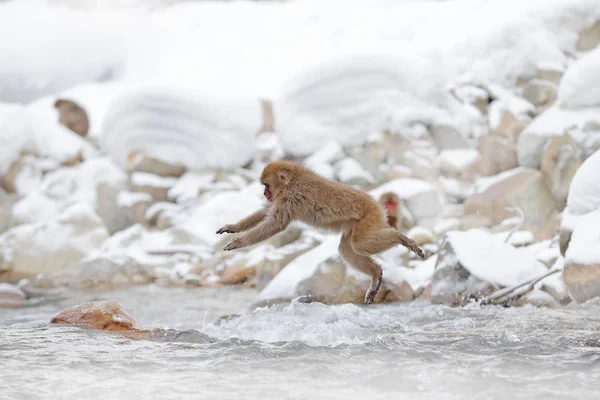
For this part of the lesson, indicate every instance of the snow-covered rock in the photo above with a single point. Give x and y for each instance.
(49, 246)
(498, 154)
(580, 87)
(583, 198)
(181, 128)
(582, 259)
(562, 158)
(459, 163)
(474, 263)
(139, 162)
(420, 197)
(522, 188)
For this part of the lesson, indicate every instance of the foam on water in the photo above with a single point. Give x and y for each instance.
(301, 350)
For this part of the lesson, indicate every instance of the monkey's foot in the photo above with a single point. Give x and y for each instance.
(412, 245)
(370, 296)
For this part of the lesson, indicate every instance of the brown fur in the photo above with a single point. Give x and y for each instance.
(300, 195)
(73, 116)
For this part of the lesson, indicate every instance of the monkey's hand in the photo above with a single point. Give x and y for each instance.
(235, 243)
(227, 229)
(413, 246)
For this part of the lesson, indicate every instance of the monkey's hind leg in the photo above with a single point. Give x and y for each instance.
(364, 264)
(375, 242)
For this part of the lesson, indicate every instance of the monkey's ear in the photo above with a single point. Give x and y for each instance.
(284, 176)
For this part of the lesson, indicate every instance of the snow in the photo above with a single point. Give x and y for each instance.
(483, 184)
(555, 121)
(181, 127)
(349, 170)
(285, 283)
(580, 85)
(458, 158)
(189, 185)
(128, 199)
(583, 247)
(584, 193)
(488, 258)
(223, 208)
(152, 180)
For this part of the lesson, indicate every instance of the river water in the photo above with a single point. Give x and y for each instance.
(301, 351)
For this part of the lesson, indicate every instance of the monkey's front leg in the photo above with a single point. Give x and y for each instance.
(249, 222)
(267, 228)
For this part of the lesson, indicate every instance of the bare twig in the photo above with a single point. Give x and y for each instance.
(521, 221)
(495, 298)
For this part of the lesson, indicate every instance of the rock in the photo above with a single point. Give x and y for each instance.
(540, 93)
(268, 117)
(133, 206)
(446, 225)
(11, 296)
(459, 163)
(474, 263)
(498, 154)
(73, 116)
(589, 38)
(399, 293)
(140, 162)
(522, 188)
(6, 202)
(422, 167)
(581, 272)
(549, 74)
(350, 172)
(447, 137)
(107, 206)
(23, 176)
(104, 315)
(537, 298)
(560, 162)
(582, 281)
(420, 235)
(509, 126)
(53, 245)
(154, 185)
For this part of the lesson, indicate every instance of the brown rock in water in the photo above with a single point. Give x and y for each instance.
(104, 315)
(525, 189)
(589, 38)
(582, 281)
(561, 160)
(73, 116)
(498, 154)
(238, 272)
(144, 163)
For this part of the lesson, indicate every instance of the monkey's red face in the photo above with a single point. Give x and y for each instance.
(390, 206)
(267, 193)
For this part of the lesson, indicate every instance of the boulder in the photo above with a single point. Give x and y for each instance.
(550, 74)
(459, 163)
(474, 263)
(498, 154)
(11, 296)
(140, 162)
(73, 116)
(399, 293)
(446, 137)
(133, 206)
(349, 171)
(420, 235)
(509, 126)
(23, 176)
(107, 206)
(540, 93)
(104, 315)
(6, 202)
(522, 188)
(154, 185)
(589, 38)
(581, 272)
(52, 245)
(560, 162)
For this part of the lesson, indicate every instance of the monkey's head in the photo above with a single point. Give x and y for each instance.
(390, 202)
(277, 176)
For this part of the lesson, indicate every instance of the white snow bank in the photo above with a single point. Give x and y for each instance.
(421, 197)
(584, 192)
(223, 208)
(180, 127)
(285, 283)
(488, 258)
(555, 121)
(35, 128)
(580, 86)
(48, 49)
(583, 247)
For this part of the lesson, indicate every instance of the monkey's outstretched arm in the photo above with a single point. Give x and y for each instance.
(247, 223)
(272, 224)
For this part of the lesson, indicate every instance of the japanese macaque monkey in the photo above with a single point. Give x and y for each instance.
(297, 194)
